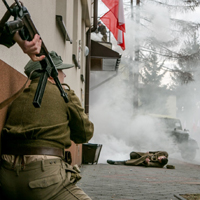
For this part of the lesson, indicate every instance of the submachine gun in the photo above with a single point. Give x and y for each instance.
(24, 25)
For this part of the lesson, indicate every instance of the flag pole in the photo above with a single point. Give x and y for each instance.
(137, 50)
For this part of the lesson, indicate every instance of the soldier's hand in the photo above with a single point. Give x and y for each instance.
(147, 160)
(31, 48)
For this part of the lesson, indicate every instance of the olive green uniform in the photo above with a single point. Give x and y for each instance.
(6, 39)
(138, 158)
(53, 125)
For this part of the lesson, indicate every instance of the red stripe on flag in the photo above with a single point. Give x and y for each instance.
(111, 23)
(114, 20)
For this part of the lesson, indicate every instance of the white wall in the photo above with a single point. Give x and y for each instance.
(44, 17)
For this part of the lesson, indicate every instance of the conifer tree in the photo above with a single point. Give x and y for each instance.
(179, 30)
(152, 76)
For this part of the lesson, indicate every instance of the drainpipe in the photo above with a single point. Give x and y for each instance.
(87, 73)
(95, 16)
(88, 58)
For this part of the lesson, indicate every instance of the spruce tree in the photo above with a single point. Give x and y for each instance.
(152, 86)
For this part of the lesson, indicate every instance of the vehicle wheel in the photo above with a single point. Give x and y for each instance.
(188, 154)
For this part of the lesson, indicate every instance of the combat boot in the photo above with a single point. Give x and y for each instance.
(112, 162)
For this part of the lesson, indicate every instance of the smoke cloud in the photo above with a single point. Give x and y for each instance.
(120, 128)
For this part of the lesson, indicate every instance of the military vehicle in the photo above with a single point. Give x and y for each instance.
(179, 139)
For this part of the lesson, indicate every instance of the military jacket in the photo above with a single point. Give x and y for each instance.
(55, 124)
(152, 155)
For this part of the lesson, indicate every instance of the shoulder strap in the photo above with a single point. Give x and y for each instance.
(65, 84)
(14, 96)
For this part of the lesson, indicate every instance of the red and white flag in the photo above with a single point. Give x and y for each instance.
(114, 20)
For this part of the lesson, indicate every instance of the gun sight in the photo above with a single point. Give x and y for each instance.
(17, 2)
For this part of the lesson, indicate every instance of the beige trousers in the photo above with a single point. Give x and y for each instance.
(42, 180)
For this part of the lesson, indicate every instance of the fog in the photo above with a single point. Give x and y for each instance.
(118, 126)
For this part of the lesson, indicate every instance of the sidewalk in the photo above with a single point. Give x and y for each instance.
(119, 182)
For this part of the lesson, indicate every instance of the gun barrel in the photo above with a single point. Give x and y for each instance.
(7, 6)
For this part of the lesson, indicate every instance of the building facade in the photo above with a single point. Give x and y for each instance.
(76, 19)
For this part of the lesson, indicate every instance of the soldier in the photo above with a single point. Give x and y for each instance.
(149, 159)
(34, 141)
(103, 31)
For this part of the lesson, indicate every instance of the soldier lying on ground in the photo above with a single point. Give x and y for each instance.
(149, 159)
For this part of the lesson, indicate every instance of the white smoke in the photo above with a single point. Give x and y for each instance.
(96, 36)
(118, 127)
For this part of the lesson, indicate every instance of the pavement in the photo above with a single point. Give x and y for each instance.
(119, 182)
